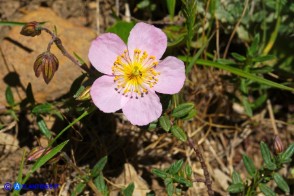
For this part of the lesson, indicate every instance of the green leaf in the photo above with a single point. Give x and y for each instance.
(263, 58)
(171, 5)
(168, 182)
(182, 110)
(43, 127)
(182, 180)
(236, 71)
(175, 167)
(266, 155)
(236, 178)
(287, 155)
(164, 122)
(179, 133)
(261, 70)
(236, 188)
(81, 61)
(159, 173)
(259, 101)
(41, 161)
(247, 106)
(266, 190)
(100, 184)
(249, 165)
(99, 166)
(129, 190)
(282, 184)
(254, 46)
(190, 115)
(188, 171)
(44, 108)
(9, 96)
(238, 57)
(226, 61)
(143, 4)
(79, 188)
(122, 29)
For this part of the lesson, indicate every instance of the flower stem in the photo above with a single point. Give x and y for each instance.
(60, 46)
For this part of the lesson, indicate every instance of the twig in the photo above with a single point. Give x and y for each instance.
(272, 116)
(235, 29)
(207, 180)
(59, 45)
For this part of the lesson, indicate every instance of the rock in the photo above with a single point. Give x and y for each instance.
(18, 53)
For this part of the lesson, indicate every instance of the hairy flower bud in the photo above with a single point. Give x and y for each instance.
(36, 153)
(278, 145)
(47, 63)
(31, 29)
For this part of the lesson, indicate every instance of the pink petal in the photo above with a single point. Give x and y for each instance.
(143, 110)
(104, 51)
(104, 96)
(147, 38)
(172, 75)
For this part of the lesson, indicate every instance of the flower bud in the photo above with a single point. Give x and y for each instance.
(36, 153)
(31, 29)
(84, 95)
(278, 145)
(47, 63)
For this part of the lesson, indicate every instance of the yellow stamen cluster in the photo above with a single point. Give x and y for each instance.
(134, 77)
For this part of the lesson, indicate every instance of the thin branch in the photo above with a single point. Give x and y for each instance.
(60, 46)
(207, 180)
(235, 29)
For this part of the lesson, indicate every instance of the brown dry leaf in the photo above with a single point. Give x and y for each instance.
(221, 178)
(128, 176)
(8, 143)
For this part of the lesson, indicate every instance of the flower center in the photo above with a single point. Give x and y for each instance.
(135, 77)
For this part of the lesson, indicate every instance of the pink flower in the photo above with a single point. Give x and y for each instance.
(133, 73)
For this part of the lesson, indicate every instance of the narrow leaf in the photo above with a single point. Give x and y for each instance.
(79, 188)
(159, 173)
(188, 171)
(249, 165)
(282, 184)
(179, 133)
(9, 96)
(236, 188)
(240, 73)
(168, 182)
(99, 166)
(48, 156)
(287, 155)
(263, 58)
(129, 190)
(100, 184)
(43, 127)
(175, 167)
(182, 180)
(266, 190)
(164, 122)
(182, 110)
(44, 108)
(238, 57)
(266, 155)
(236, 178)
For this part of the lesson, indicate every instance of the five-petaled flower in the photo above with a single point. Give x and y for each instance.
(134, 72)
